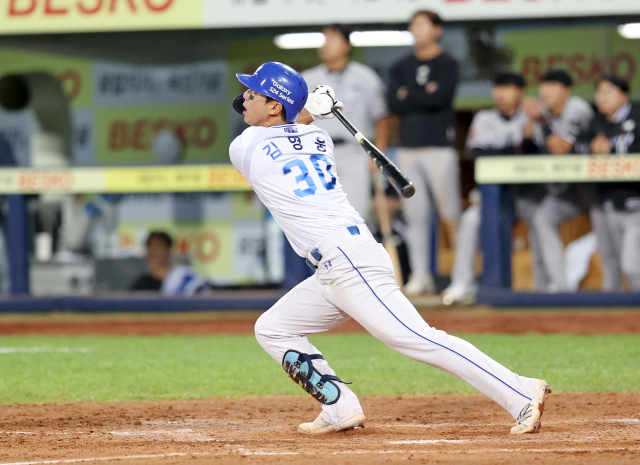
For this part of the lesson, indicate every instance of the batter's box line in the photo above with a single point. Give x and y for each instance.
(243, 451)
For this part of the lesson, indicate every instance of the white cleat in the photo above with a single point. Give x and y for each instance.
(419, 284)
(319, 426)
(458, 295)
(529, 420)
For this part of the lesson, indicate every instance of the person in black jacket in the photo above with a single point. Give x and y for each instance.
(421, 91)
(616, 130)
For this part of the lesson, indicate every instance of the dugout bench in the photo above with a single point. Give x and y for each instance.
(17, 183)
(493, 175)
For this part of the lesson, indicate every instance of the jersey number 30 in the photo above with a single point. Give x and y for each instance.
(304, 175)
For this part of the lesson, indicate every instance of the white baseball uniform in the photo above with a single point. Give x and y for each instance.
(362, 92)
(291, 168)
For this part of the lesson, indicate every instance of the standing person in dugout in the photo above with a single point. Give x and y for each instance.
(421, 90)
(616, 130)
(291, 167)
(496, 131)
(552, 127)
(362, 91)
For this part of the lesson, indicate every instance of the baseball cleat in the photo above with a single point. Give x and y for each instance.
(319, 426)
(419, 284)
(529, 420)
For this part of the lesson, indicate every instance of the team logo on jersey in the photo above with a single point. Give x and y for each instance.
(422, 74)
(290, 130)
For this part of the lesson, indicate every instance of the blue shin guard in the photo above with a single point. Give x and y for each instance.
(300, 369)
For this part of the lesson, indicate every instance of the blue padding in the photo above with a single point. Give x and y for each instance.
(322, 383)
(499, 298)
(224, 300)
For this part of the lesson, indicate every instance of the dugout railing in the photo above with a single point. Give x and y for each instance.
(493, 175)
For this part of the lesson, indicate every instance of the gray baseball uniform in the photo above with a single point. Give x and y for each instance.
(492, 134)
(362, 92)
(618, 235)
(562, 201)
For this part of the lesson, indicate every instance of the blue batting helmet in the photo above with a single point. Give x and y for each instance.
(280, 82)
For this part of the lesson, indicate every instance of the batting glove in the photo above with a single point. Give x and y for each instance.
(321, 101)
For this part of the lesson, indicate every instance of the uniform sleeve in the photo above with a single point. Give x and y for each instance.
(395, 82)
(584, 138)
(377, 104)
(576, 121)
(479, 135)
(635, 145)
(236, 151)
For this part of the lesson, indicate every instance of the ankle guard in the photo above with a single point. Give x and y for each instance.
(300, 369)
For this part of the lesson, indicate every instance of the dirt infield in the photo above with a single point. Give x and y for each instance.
(454, 321)
(577, 428)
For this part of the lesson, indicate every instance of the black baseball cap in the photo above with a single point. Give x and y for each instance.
(509, 78)
(344, 31)
(557, 75)
(616, 81)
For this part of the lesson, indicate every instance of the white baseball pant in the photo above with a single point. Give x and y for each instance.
(623, 238)
(551, 213)
(355, 279)
(435, 172)
(468, 242)
(353, 171)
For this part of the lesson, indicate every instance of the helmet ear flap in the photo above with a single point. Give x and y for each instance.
(238, 104)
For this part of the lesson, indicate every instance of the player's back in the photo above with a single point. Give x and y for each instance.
(291, 168)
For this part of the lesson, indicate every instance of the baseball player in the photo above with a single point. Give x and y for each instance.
(362, 91)
(291, 167)
(616, 129)
(421, 90)
(495, 131)
(552, 128)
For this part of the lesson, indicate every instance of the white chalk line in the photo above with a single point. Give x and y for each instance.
(630, 421)
(244, 451)
(40, 350)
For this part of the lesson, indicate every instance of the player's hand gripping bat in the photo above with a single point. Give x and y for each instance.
(386, 166)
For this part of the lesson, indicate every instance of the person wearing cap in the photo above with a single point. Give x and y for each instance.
(495, 131)
(616, 130)
(552, 127)
(362, 91)
(421, 90)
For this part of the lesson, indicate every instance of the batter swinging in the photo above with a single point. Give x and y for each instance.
(291, 167)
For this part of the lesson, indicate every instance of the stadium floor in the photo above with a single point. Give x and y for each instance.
(454, 428)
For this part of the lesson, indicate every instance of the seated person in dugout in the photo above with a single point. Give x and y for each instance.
(495, 131)
(616, 130)
(553, 125)
(164, 276)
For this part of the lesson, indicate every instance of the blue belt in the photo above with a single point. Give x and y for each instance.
(315, 253)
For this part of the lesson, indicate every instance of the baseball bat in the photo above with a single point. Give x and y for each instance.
(390, 171)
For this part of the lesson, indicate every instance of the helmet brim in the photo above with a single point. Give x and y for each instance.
(250, 81)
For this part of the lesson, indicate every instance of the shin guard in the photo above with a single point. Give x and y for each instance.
(300, 369)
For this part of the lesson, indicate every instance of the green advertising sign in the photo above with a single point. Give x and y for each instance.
(585, 52)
